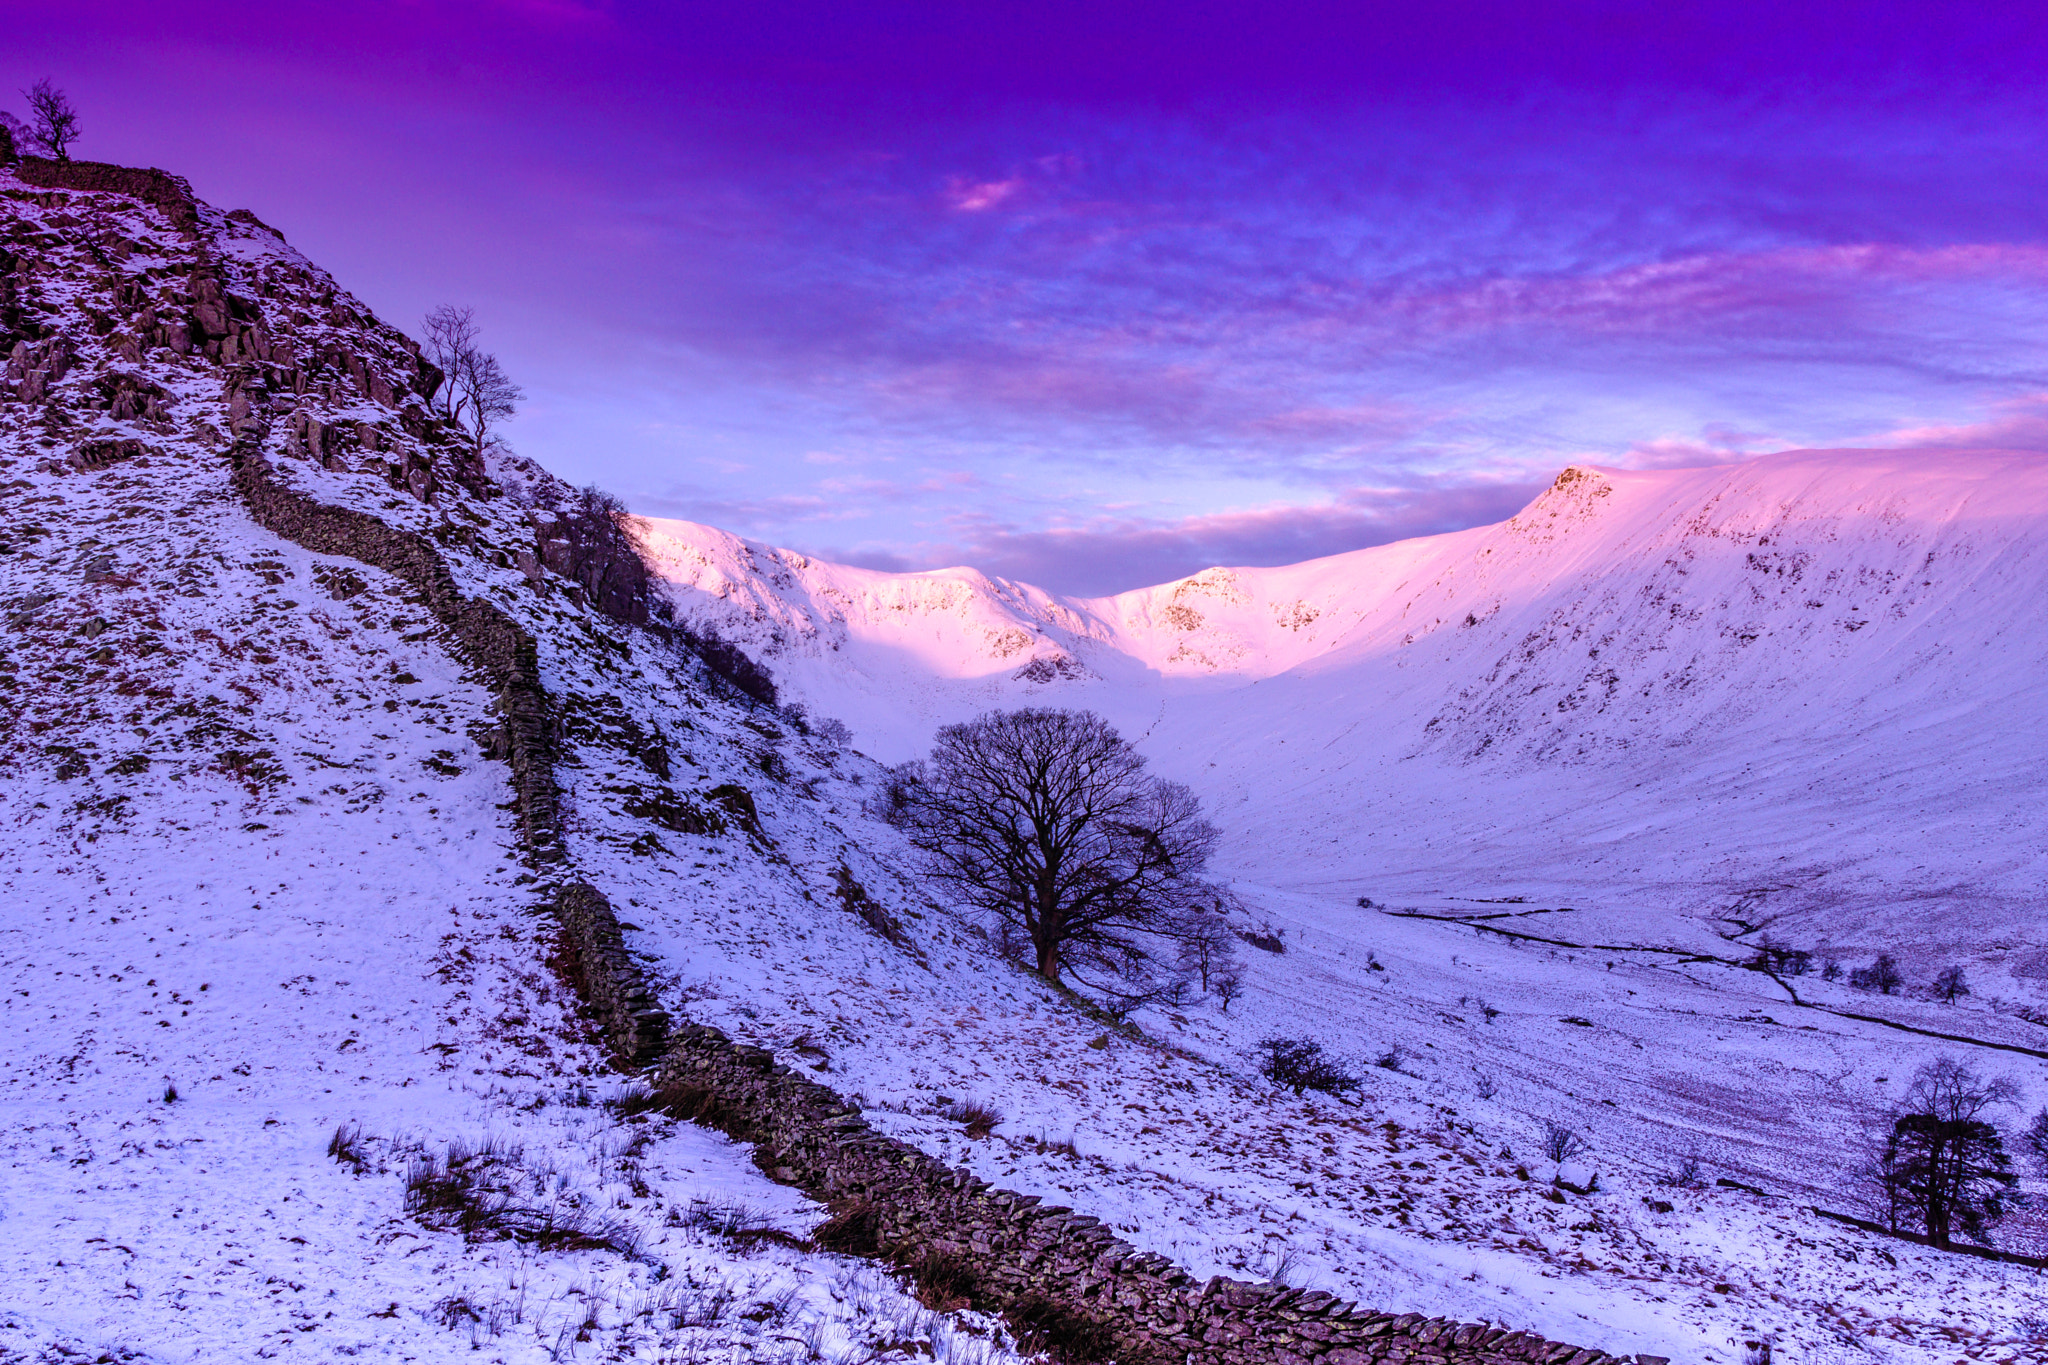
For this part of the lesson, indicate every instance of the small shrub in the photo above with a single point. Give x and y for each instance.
(1301, 1065)
(1561, 1144)
(170, 1092)
(1046, 1146)
(1265, 943)
(346, 1147)
(1951, 985)
(1831, 970)
(1686, 1173)
(1485, 1089)
(979, 1119)
(834, 732)
(1392, 1058)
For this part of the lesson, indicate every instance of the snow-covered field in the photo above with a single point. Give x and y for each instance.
(1646, 723)
(253, 850)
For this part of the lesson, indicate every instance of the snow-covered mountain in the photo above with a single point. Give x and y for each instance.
(275, 937)
(1817, 679)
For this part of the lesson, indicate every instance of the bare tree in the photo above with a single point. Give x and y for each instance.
(1942, 1165)
(1208, 946)
(1560, 1143)
(1882, 976)
(1228, 987)
(1047, 821)
(52, 123)
(1951, 985)
(475, 396)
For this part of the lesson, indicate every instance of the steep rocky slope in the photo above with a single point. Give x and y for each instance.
(313, 727)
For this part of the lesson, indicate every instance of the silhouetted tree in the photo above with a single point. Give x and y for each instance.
(1951, 985)
(1047, 821)
(52, 123)
(1881, 976)
(475, 396)
(1228, 987)
(1208, 946)
(1942, 1165)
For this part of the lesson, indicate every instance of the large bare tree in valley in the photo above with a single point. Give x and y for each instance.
(475, 396)
(1047, 821)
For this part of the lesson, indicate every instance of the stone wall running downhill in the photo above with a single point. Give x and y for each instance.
(485, 638)
(1051, 1270)
(1055, 1273)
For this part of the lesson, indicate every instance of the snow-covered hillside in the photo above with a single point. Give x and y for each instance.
(1695, 687)
(1647, 723)
(257, 848)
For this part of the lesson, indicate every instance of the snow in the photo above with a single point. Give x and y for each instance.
(1800, 697)
(345, 890)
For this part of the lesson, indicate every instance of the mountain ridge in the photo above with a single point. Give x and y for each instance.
(278, 951)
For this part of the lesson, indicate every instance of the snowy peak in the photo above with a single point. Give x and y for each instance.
(1860, 625)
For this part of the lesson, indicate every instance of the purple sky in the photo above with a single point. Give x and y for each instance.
(1096, 294)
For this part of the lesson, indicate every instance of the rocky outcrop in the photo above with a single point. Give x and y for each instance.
(168, 192)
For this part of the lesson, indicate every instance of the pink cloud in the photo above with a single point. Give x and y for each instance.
(2016, 424)
(1107, 554)
(979, 196)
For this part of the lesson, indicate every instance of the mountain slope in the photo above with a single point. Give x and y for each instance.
(1710, 659)
(285, 771)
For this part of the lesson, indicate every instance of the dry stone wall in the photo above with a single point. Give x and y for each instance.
(1049, 1268)
(1011, 1253)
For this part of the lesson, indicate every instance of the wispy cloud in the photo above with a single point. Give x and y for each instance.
(1107, 554)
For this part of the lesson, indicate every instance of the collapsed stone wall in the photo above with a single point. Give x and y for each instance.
(168, 192)
(1009, 1252)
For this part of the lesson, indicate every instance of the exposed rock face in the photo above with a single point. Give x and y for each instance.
(140, 326)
